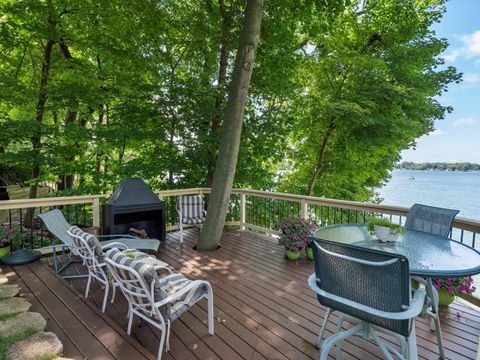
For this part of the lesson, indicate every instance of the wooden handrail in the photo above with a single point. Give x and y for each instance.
(459, 222)
(47, 201)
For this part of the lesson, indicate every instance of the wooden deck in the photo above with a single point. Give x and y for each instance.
(263, 309)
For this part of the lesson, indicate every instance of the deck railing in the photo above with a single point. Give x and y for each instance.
(252, 210)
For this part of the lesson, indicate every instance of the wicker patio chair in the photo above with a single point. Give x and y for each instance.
(57, 225)
(437, 221)
(90, 251)
(372, 291)
(191, 211)
(158, 301)
(430, 219)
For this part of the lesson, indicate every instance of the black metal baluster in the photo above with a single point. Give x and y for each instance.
(473, 240)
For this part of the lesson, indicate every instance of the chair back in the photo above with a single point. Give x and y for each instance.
(89, 250)
(430, 219)
(58, 226)
(191, 206)
(372, 278)
(138, 282)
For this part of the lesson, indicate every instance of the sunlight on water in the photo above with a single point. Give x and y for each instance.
(454, 190)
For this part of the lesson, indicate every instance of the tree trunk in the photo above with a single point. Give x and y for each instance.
(321, 155)
(70, 117)
(42, 99)
(222, 75)
(232, 128)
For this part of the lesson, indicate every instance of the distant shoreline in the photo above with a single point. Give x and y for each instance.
(438, 166)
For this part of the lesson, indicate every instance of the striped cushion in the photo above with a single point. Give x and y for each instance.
(163, 287)
(90, 239)
(149, 275)
(192, 209)
(175, 282)
(193, 221)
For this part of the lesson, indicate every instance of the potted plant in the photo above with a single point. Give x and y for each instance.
(448, 288)
(384, 229)
(7, 236)
(294, 232)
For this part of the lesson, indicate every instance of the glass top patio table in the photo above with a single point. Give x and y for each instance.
(428, 255)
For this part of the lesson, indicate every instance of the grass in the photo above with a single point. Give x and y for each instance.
(6, 342)
(6, 316)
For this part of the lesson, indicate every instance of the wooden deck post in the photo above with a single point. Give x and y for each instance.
(304, 209)
(96, 212)
(242, 211)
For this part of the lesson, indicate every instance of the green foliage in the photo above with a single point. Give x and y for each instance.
(379, 221)
(133, 92)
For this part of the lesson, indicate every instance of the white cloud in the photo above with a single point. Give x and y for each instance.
(452, 56)
(471, 78)
(470, 48)
(472, 44)
(437, 132)
(464, 121)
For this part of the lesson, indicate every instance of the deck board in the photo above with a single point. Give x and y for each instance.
(263, 308)
(84, 331)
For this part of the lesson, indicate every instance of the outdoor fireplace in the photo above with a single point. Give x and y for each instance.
(134, 208)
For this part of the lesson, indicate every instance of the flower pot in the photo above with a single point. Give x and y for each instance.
(5, 251)
(414, 284)
(445, 297)
(309, 252)
(293, 255)
(385, 234)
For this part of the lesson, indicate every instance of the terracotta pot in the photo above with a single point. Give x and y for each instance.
(445, 297)
(293, 255)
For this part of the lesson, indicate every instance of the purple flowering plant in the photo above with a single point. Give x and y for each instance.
(455, 285)
(8, 235)
(294, 232)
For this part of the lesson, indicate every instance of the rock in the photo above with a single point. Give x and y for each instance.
(3, 279)
(41, 344)
(7, 291)
(22, 322)
(14, 305)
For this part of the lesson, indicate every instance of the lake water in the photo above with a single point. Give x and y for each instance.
(449, 189)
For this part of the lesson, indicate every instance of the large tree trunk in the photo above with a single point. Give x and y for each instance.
(42, 99)
(70, 117)
(232, 128)
(222, 76)
(321, 156)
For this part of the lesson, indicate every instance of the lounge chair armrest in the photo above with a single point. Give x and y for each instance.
(54, 246)
(415, 308)
(179, 293)
(114, 245)
(125, 236)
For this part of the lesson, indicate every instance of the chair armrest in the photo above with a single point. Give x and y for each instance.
(126, 236)
(179, 293)
(114, 244)
(415, 308)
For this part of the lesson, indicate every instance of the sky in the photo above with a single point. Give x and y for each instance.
(457, 137)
